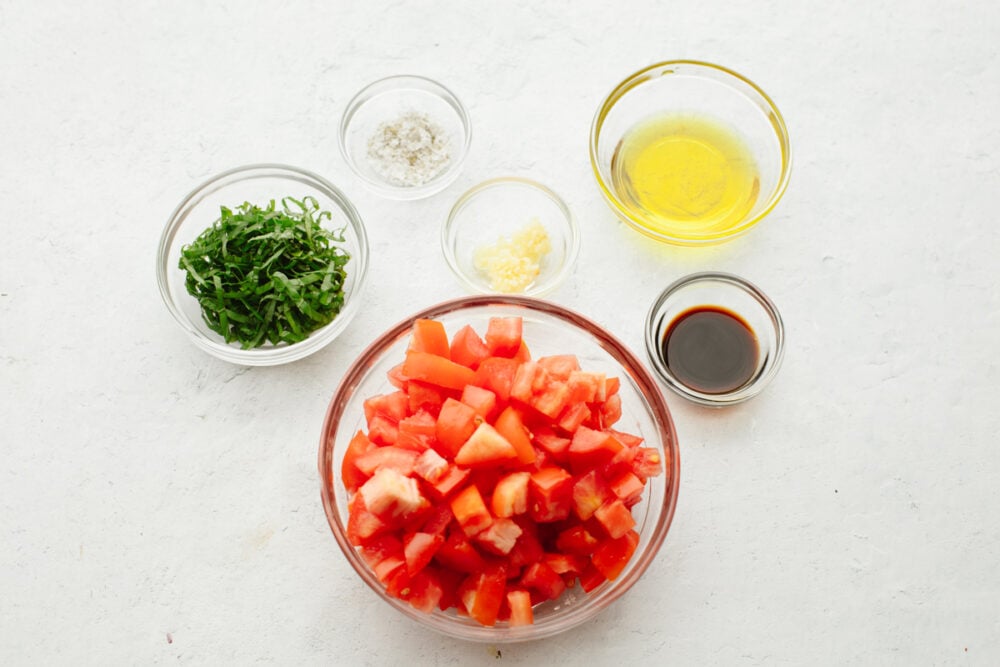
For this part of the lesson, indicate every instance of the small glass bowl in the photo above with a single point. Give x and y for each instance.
(257, 184)
(384, 101)
(548, 329)
(498, 208)
(731, 293)
(704, 91)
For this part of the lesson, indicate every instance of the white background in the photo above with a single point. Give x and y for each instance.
(159, 506)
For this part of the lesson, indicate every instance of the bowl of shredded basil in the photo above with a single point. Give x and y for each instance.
(263, 264)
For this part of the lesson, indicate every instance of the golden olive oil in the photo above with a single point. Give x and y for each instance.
(687, 176)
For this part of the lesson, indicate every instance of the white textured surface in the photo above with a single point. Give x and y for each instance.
(157, 506)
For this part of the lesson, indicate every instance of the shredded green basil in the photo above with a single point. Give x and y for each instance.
(267, 274)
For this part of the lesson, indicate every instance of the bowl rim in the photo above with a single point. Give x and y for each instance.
(648, 73)
(743, 393)
(631, 365)
(395, 83)
(572, 252)
(283, 353)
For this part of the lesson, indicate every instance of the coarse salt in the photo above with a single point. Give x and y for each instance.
(410, 150)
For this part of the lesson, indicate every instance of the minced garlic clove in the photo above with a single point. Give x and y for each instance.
(512, 264)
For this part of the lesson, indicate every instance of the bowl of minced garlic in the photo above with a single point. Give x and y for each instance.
(510, 235)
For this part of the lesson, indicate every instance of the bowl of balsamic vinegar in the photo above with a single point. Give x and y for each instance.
(715, 338)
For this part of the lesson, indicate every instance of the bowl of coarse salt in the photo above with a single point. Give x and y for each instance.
(406, 136)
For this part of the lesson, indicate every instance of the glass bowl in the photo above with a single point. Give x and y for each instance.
(731, 294)
(383, 103)
(548, 329)
(257, 184)
(497, 210)
(654, 128)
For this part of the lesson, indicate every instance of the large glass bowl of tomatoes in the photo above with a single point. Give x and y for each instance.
(498, 468)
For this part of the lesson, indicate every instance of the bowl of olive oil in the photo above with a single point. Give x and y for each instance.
(690, 153)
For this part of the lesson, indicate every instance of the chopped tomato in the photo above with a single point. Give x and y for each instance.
(467, 348)
(429, 336)
(455, 423)
(482, 593)
(419, 549)
(470, 510)
(503, 336)
(612, 555)
(510, 425)
(439, 371)
(520, 608)
(485, 447)
(350, 475)
(488, 482)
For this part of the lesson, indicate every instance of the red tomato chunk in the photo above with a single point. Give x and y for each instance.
(490, 482)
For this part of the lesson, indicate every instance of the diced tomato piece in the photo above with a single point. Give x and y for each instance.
(362, 525)
(585, 387)
(620, 463)
(430, 466)
(420, 422)
(497, 375)
(485, 447)
(503, 336)
(380, 548)
(390, 494)
(550, 494)
(396, 377)
(627, 486)
(566, 563)
(520, 608)
(455, 423)
(611, 410)
(615, 517)
(482, 594)
(511, 426)
(388, 567)
(397, 458)
(510, 495)
(500, 536)
(647, 463)
(572, 416)
(611, 386)
(522, 387)
(382, 430)
(415, 442)
(437, 520)
(419, 549)
(457, 553)
(554, 445)
(626, 439)
(591, 578)
(350, 475)
(392, 406)
(470, 510)
(423, 396)
(439, 371)
(429, 336)
(551, 400)
(527, 550)
(523, 354)
(612, 555)
(467, 348)
(425, 590)
(542, 579)
(560, 366)
(591, 448)
(451, 480)
(483, 401)
(589, 493)
(576, 540)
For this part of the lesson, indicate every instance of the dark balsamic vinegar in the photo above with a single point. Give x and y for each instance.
(711, 350)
